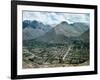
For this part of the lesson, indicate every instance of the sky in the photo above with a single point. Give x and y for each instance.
(56, 17)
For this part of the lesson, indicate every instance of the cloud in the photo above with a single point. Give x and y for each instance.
(55, 17)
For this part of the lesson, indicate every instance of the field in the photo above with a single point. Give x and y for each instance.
(42, 55)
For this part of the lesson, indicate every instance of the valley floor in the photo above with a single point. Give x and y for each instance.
(55, 57)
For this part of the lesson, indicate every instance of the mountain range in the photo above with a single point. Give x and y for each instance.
(54, 34)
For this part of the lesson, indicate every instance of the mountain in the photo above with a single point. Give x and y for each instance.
(34, 29)
(31, 33)
(26, 23)
(52, 37)
(66, 29)
(36, 25)
(39, 25)
(59, 34)
(80, 27)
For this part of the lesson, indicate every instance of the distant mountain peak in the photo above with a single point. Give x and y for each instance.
(64, 22)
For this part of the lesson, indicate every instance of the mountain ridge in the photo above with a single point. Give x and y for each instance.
(34, 29)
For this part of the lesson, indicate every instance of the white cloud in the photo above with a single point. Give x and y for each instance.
(55, 17)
